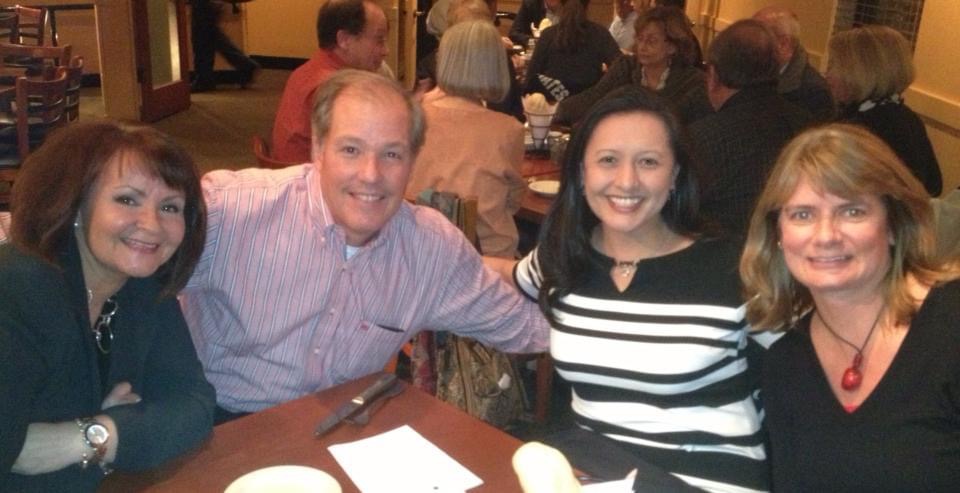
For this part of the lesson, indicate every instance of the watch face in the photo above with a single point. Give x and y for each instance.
(97, 434)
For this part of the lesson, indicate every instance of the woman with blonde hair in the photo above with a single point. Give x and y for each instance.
(471, 150)
(872, 97)
(861, 393)
(666, 60)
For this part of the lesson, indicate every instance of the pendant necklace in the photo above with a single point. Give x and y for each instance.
(102, 332)
(626, 268)
(852, 376)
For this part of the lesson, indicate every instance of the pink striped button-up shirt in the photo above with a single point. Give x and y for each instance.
(277, 311)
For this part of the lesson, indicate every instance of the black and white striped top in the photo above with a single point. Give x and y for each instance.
(662, 366)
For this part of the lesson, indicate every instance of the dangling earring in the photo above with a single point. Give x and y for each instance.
(76, 221)
(780, 244)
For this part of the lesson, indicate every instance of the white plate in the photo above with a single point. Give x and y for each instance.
(285, 479)
(547, 188)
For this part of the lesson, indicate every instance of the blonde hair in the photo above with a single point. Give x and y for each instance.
(472, 62)
(847, 161)
(872, 62)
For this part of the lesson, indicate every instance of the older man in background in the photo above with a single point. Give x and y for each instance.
(798, 81)
(317, 274)
(352, 34)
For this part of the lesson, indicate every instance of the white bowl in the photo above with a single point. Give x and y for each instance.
(285, 479)
(547, 188)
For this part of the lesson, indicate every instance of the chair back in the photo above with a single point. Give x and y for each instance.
(8, 26)
(34, 57)
(262, 151)
(31, 25)
(74, 82)
(40, 108)
(461, 211)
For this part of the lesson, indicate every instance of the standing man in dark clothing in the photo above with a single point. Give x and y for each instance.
(207, 39)
(739, 143)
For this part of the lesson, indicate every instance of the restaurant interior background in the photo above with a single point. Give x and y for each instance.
(283, 32)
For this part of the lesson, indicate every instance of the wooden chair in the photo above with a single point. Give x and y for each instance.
(8, 26)
(38, 109)
(74, 82)
(17, 60)
(262, 151)
(31, 25)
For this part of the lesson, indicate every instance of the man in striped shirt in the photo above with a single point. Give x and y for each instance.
(316, 274)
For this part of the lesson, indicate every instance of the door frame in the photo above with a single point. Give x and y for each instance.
(161, 101)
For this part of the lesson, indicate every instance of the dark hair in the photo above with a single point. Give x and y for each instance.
(572, 24)
(676, 28)
(565, 250)
(337, 15)
(744, 55)
(55, 180)
(680, 4)
(371, 85)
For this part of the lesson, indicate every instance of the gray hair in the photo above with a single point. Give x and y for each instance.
(371, 84)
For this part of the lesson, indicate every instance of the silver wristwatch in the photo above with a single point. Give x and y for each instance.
(95, 436)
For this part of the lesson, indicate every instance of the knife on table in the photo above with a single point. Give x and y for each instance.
(355, 405)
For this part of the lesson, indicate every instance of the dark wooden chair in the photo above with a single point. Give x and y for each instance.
(32, 61)
(74, 82)
(262, 151)
(31, 25)
(8, 26)
(38, 109)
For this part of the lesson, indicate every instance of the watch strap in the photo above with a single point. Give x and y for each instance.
(95, 452)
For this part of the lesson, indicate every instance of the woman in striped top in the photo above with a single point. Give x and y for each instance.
(648, 323)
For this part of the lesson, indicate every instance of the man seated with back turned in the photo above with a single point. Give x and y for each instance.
(317, 274)
(739, 144)
(352, 34)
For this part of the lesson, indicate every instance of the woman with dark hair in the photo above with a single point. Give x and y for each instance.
(570, 55)
(862, 393)
(648, 323)
(97, 368)
(666, 59)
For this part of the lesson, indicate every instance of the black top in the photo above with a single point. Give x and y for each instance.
(904, 437)
(684, 88)
(803, 86)
(49, 371)
(558, 73)
(530, 11)
(901, 128)
(737, 147)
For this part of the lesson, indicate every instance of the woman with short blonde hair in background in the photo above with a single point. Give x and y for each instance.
(471, 150)
(869, 69)
(861, 393)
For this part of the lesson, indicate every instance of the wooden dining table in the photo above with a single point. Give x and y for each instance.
(283, 435)
(533, 206)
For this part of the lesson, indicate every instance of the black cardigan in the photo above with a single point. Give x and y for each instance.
(49, 371)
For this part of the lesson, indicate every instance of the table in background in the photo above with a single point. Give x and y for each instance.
(284, 435)
(533, 207)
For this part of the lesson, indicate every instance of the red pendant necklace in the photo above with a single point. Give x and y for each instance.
(852, 377)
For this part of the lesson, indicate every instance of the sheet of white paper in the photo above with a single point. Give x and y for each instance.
(402, 460)
(619, 486)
